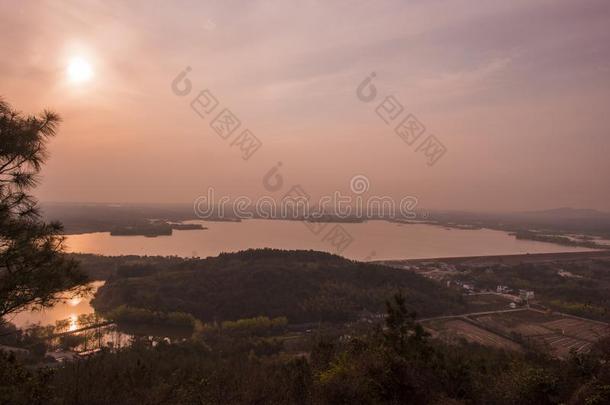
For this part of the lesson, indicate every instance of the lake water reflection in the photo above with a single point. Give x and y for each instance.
(372, 240)
(70, 310)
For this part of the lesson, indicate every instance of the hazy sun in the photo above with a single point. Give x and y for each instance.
(79, 70)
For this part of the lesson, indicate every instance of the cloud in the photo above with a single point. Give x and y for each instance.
(473, 69)
(455, 83)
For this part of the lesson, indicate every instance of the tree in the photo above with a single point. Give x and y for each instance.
(401, 328)
(33, 269)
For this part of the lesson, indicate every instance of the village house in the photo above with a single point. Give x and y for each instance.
(526, 295)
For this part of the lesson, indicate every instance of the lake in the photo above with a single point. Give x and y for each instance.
(70, 309)
(372, 240)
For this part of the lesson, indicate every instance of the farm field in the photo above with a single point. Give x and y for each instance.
(559, 333)
(455, 329)
(486, 302)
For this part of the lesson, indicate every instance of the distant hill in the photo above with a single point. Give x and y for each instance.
(567, 219)
(557, 220)
(581, 212)
(83, 218)
(566, 213)
(305, 286)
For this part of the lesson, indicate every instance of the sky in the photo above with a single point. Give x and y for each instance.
(517, 94)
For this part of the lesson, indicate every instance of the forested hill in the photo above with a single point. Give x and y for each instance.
(305, 286)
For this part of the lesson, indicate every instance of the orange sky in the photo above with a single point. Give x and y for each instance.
(517, 91)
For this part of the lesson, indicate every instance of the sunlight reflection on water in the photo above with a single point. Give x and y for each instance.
(69, 310)
(73, 322)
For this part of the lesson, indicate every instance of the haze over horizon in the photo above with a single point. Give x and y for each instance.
(522, 112)
(557, 211)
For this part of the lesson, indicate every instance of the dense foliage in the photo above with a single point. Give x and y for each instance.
(304, 286)
(127, 315)
(397, 364)
(100, 267)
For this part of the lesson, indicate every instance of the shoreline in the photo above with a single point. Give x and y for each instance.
(507, 259)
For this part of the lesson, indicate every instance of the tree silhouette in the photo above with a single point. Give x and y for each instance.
(33, 269)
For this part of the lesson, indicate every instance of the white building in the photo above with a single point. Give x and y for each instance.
(526, 295)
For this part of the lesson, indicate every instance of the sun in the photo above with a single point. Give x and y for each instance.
(79, 70)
